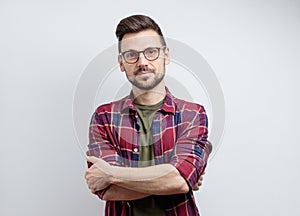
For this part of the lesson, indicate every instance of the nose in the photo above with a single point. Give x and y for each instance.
(142, 61)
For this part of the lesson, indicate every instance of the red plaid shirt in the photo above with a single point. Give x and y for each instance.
(179, 131)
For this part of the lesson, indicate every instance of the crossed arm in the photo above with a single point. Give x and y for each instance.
(126, 183)
(129, 183)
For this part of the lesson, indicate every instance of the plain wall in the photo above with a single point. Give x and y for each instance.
(253, 48)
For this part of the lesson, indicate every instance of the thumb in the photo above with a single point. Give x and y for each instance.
(92, 159)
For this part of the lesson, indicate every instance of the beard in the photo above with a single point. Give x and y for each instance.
(148, 82)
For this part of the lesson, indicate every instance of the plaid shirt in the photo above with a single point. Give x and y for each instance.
(179, 131)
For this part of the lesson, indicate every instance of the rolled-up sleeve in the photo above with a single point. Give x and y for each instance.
(101, 141)
(191, 151)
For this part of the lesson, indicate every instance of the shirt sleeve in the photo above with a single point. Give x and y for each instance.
(101, 141)
(191, 151)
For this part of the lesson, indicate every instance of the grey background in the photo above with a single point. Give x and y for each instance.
(253, 47)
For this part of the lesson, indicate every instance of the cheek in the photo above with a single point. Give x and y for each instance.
(129, 69)
(161, 65)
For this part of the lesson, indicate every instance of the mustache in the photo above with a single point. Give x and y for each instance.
(142, 69)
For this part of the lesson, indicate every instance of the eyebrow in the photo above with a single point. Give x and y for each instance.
(140, 50)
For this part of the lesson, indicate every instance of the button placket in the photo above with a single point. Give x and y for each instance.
(136, 138)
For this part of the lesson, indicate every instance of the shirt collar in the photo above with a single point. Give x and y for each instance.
(168, 105)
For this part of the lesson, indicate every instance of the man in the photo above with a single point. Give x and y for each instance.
(147, 151)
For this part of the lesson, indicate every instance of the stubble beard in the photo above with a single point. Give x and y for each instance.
(149, 82)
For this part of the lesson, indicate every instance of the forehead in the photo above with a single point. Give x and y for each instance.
(140, 40)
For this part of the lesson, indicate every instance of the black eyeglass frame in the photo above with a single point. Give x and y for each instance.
(143, 51)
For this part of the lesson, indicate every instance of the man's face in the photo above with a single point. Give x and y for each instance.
(145, 73)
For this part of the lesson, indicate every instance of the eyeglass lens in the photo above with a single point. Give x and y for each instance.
(150, 54)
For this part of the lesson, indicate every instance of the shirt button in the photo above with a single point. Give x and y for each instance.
(135, 150)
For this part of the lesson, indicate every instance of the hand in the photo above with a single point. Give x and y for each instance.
(199, 183)
(98, 176)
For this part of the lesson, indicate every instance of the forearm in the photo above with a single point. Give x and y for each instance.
(159, 179)
(118, 193)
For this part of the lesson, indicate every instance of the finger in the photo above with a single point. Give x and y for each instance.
(88, 175)
(196, 188)
(92, 159)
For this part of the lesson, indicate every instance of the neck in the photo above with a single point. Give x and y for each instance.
(149, 97)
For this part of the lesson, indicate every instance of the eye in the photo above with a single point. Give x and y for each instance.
(130, 55)
(151, 51)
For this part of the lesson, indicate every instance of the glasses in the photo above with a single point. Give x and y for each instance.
(151, 54)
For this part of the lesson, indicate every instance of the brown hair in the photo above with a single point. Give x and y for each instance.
(137, 23)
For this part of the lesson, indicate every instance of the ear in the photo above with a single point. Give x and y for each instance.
(122, 68)
(167, 55)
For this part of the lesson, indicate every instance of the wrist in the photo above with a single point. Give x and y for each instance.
(101, 194)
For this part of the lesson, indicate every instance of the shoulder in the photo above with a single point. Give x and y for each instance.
(105, 113)
(183, 106)
(190, 113)
(114, 106)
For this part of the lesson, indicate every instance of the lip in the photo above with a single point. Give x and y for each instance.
(143, 73)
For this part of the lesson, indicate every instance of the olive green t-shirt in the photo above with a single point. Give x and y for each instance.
(147, 206)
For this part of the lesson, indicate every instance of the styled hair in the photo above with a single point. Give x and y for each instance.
(137, 23)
